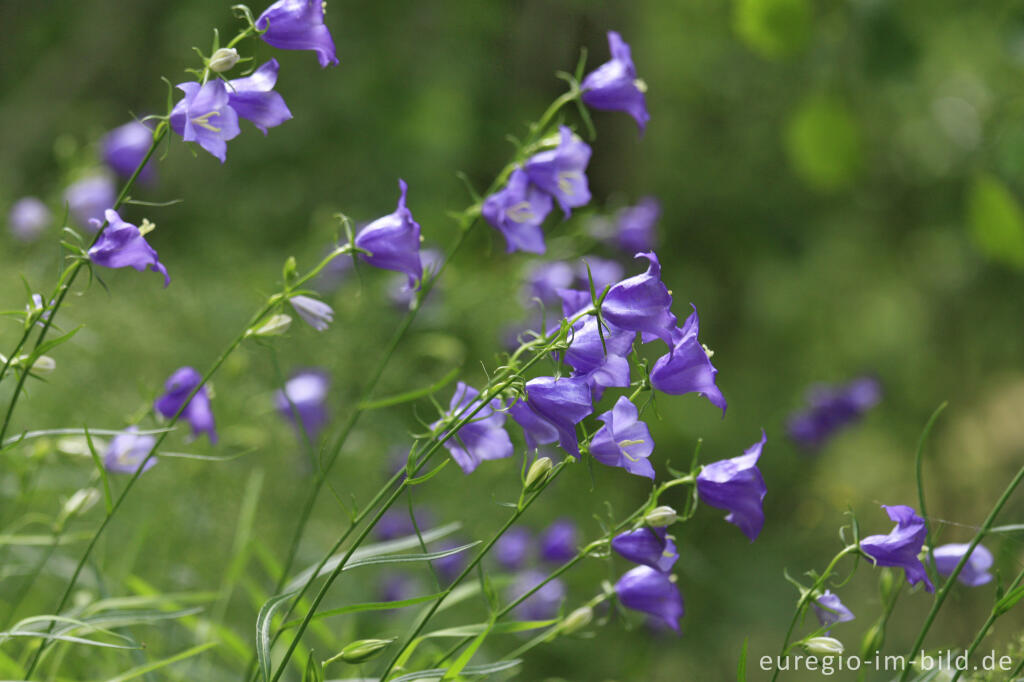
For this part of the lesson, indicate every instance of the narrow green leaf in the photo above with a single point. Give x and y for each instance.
(162, 663)
(409, 396)
(996, 220)
(429, 475)
(53, 343)
(741, 670)
(467, 654)
(107, 499)
(42, 540)
(470, 671)
(367, 606)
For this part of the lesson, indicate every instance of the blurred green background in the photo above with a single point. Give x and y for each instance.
(841, 188)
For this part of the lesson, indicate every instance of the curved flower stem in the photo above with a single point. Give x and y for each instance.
(951, 580)
(550, 632)
(987, 625)
(919, 466)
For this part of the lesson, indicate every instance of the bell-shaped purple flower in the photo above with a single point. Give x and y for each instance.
(642, 303)
(122, 246)
(830, 610)
(88, 198)
(127, 451)
(604, 272)
(650, 591)
(28, 218)
(517, 212)
(558, 542)
(543, 280)
(124, 148)
(648, 546)
(298, 25)
(393, 242)
(483, 437)
(975, 571)
(316, 314)
(561, 172)
(599, 356)
(737, 485)
(512, 549)
(901, 547)
(551, 411)
(253, 98)
(542, 604)
(624, 441)
(830, 409)
(303, 401)
(635, 226)
(205, 117)
(613, 86)
(197, 411)
(687, 368)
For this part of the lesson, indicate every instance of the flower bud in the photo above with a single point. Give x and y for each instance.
(577, 620)
(363, 649)
(873, 640)
(887, 585)
(661, 517)
(538, 473)
(223, 59)
(823, 646)
(80, 502)
(44, 364)
(275, 326)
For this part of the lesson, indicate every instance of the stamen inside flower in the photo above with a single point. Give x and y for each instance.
(565, 180)
(520, 212)
(707, 351)
(204, 121)
(640, 85)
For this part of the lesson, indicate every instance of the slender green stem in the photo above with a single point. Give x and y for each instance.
(550, 632)
(1017, 671)
(987, 626)
(944, 590)
(919, 466)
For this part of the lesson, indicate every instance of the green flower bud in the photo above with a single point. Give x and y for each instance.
(538, 473)
(363, 649)
(873, 640)
(79, 503)
(275, 326)
(823, 646)
(577, 620)
(223, 59)
(887, 585)
(661, 517)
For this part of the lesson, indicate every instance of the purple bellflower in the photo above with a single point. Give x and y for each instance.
(395, 587)
(642, 303)
(204, 116)
(830, 409)
(558, 543)
(394, 241)
(122, 246)
(197, 411)
(28, 218)
(602, 365)
(513, 548)
(305, 395)
(551, 411)
(253, 98)
(613, 86)
(543, 280)
(830, 610)
(518, 212)
(975, 571)
(688, 368)
(483, 437)
(901, 547)
(624, 441)
(650, 591)
(604, 271)
(542, 604)
(127, 451)
(88, 198)
(737, 485)
(561, 172)
(298, 25)
(647, 546)
(124, 148)
(316, 314)
(635, 226)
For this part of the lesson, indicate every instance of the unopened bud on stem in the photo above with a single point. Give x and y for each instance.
(223, 59)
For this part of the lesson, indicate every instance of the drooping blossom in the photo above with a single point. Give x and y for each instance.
(393, 242)
(551, 410)
(298, 25)
(614, 85)
(253, 98)
(542, 604)
(975, 571)
(89, 198)
(558, 542)
(204, 116)
(483, 437)
(642, 303)
(647, 546)
(901, 547)
(316, 314)
(830, 409)
(399, 291)
(517, 211)
(196, 411)
(650, 591)
(28, 218)
(127, 451)
(737, 485)
(512, 549)
(122, 246)
(830, 610)
(687, 368)
(303, 401)
(124, 148)
(635, 226)
(624, 441)
(561, 172)
(599, 356)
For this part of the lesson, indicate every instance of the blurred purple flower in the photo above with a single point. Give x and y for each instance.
(483, 437)
(305, 394)
(647, 546)
(543, 280)
(614, 86)
(900, 548)
(624, 441)
(831, 408)
(737, 485)
(298, 25)
(652, 592)
(604, 271)
(395, 587)
(642, 303)
(561, 172)
(975, 571)
(197, 411)
(558, 542)
(518, 212)
(551, 410)
(449, 567)
(542, 604)
(122, 246)
(204, 116)
(394, 241)
(512, 548)
(88, 198)
(124, 148)
(316, 314)
(253, 97)
(599, 357)
(402, 294)
(687, 368)
(127, 451)
(28, 218)
(635, 226)
(830, 610)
